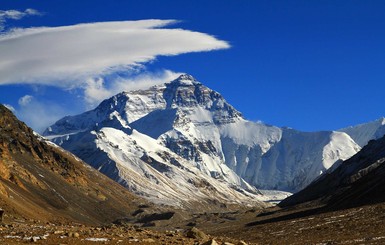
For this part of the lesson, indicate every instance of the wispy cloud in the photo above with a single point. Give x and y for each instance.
(25, 100)
(15, 15)
(39, 114)
(66, 56)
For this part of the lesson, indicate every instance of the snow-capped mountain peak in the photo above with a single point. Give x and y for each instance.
(187, 93)
(186, 79)
(191, 130)
(159, 135)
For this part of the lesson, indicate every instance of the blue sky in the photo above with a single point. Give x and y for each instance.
(309, 65)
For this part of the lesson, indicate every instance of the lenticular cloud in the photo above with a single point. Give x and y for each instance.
(46, 55)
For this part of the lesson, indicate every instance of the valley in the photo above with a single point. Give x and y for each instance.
(299, 225)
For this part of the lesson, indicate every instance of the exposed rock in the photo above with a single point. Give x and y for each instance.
(242, 243)
(156, 216)
(34, 239)
(195, 233)
(74, 234)
(210, 242)
(149, 240)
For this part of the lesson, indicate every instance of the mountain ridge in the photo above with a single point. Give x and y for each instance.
(363, 133)
(204, 131)
(355, 182)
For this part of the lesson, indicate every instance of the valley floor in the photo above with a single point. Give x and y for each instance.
(361, 225)
(305, 225)
(73, 234)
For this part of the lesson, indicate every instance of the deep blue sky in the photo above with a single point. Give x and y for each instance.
(309, 65)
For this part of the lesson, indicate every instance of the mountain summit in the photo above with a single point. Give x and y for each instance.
(160, 143)
(179, 140)
(184, 93)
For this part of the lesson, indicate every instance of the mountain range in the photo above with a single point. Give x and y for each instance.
(180, 143)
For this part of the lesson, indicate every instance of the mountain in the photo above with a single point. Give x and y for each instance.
(343, 206)
(358, 181)
(142, 139)
(41, 181)
(365, 132)
(181, 133)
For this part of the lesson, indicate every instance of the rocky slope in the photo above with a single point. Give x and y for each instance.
(185, 125)
(40, 181)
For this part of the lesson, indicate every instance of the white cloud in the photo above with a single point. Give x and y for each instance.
(86, 57)
(95, 90)
(25, 100)
(64, 56)
(15, 15)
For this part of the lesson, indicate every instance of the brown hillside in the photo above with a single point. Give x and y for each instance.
(39, 180)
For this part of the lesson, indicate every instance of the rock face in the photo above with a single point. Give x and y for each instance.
(195, 233)
(357, 181)
(39, 180)
(169, 134)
